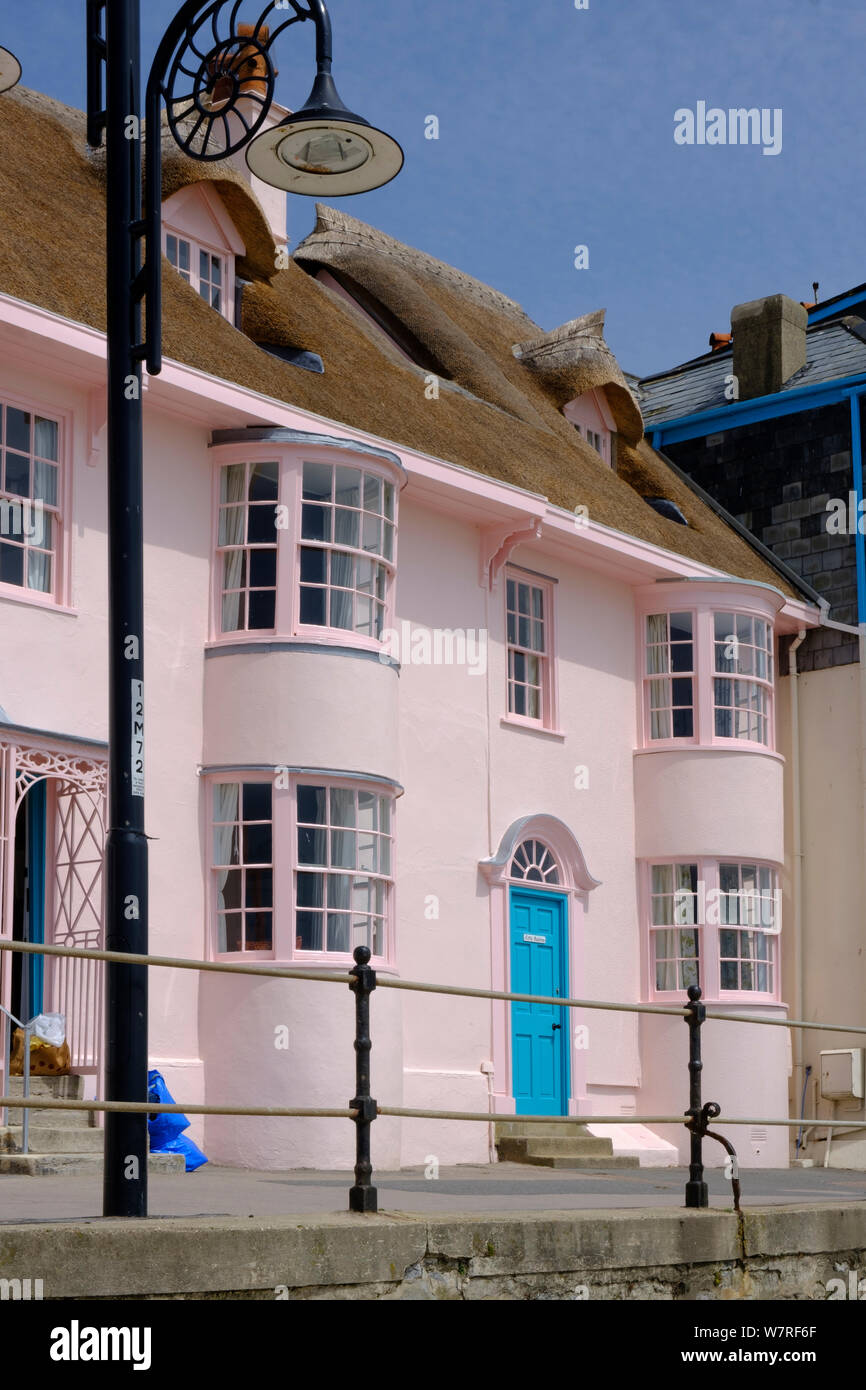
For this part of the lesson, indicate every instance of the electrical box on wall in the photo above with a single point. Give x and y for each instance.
(842, 1074)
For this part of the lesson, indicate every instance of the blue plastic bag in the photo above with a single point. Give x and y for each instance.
(166, 1131)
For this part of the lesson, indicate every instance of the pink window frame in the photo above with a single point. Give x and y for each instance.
(703, 611)
(709, 958)
(285, 832)
(549, 722)
(287, 626)
(60, 597)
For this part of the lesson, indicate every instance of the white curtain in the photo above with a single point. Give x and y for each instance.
(657, 662)
(45, 439)
(343, 577)
(232, 519)
(39, 568)
(225, 808)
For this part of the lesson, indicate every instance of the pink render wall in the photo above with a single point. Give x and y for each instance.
(437, 730)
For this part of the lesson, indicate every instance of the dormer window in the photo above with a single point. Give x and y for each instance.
(204, 271)
(201, 243)
(591, 417)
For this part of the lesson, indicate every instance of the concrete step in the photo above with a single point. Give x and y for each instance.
(564, 1153)
(75, 1165)
(597, 1164)
(52, 1087)
(54, 1119)
(529, 1129)
(46, 1139)
(551, 1146)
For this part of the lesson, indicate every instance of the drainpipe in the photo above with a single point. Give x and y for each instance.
(797, 851)
(860, 553)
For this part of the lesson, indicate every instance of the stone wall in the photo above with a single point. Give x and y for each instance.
(771, 1253)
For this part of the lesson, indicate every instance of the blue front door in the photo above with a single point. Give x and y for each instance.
(539, 1032)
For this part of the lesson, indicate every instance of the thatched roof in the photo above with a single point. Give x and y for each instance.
(497, 415)
(575, 358)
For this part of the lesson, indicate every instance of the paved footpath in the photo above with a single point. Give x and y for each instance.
(504, 1187)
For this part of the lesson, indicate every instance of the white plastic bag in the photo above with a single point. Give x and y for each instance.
(49, 1028)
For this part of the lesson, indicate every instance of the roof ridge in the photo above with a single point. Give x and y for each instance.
(335, 226)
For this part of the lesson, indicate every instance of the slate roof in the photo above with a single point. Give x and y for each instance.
(833, 350)
(496, 415)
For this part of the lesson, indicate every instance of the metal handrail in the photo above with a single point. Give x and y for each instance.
(10, 1018)
(349, 1113)
(363, 1109)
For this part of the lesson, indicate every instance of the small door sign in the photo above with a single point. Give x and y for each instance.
(541, 940)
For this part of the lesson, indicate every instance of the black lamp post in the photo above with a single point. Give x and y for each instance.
(213, 74)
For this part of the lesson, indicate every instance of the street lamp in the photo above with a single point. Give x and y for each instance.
(323, 148)
(212, 73)
(10, 70)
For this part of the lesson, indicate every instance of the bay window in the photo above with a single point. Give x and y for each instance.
(715, 924)
(301, 871)
(707, 677)
(305, 546)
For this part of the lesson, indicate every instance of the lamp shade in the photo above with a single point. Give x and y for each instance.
(10, 70)
(325, 149)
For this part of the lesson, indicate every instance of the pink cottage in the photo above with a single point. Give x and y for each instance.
(443, 660)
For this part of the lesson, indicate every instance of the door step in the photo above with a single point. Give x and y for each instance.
(560, 1144)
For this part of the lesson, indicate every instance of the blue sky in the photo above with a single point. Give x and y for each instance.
(556, 129)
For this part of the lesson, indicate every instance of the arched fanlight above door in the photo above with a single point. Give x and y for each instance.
(533, 862)
(541, 850)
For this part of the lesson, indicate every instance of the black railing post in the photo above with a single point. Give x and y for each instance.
(363, 1196)
(697, 1194)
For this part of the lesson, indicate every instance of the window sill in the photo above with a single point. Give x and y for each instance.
(28, 599)
(302, 960)
(274, 642)
(322, 637)
(731, 998)
(512, 721)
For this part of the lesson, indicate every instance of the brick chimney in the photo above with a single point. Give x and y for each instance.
(769, 344)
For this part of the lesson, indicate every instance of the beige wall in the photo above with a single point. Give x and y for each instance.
(834, 916)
